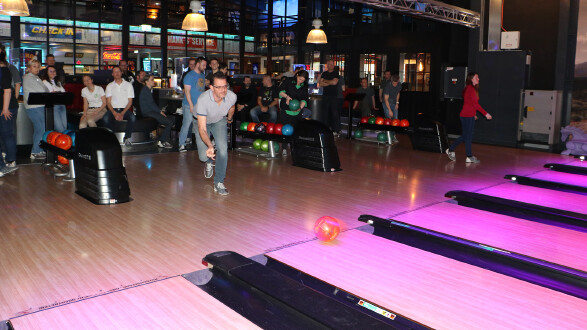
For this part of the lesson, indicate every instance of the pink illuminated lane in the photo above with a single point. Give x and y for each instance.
(431, 289)
(539, 196)
(553, 244)
(566, 178)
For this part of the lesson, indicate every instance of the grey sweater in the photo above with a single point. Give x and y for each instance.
(31, 83)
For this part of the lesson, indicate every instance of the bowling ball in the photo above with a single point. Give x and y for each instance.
(382, 137)
(72, 136)
(63, 160)
(244, 125)
(257, 144)
(276, 146)
(395, 122)
(379, 120)
(326, 228)
(404, 123)
(270, 128)
(371, 120)
(387, 122)
(364, 120)
(51, 137)
(67, 131)
(287, 130)
(251, 127)
(45, 135)
(358, 134)
(264, 123)
(294, 105)
(278, 128)
(265, 145)
(63, 141)
(260, 128)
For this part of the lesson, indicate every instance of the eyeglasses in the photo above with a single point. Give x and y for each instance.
(220, 87)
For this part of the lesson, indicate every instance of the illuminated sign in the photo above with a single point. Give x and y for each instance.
(193, 43)
(54, 31)
(112, 56)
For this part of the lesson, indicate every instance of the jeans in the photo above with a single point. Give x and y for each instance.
(8, 137)
(219, 132)
(386, 114)
(59, 117)
(162, 120)
(468, 124)
(128, 116)
(37, 117)
(188, 121)
(256, 111)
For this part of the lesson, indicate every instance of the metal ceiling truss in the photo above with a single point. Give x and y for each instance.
(434, 10)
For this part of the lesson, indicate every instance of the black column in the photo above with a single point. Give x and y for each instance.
(126, 16)
(15, 33)
(324, 18)
(269, 64)
(164, 19)
(241, 37)
(302, 33)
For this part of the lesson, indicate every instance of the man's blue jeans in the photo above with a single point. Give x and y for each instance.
(219, 131)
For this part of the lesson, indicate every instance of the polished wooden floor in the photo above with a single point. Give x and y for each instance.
(57, 247)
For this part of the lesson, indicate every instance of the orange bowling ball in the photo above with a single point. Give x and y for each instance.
(404, 123)
(395, 122)
(63, 160)
(326, 228)
(379, 120)
(63, 141)
(51, 137)
(251, 127)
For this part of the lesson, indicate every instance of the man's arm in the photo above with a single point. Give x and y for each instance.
(188, 97)
(128, 105)
(109, 105)
(386, 99)
(274, 103)
(17, 89)
(230, 114)
(86, 105)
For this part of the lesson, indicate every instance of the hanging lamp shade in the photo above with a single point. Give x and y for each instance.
(14, 8)
(195, 21)
(316, 35)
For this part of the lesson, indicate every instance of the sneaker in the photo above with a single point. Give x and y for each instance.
(182, 148)
(395, 141)
(451, 155)
(6, 170)
(39, 155)
(165, 144)
(472, 159)
(188, 141)
(11, 164)
(209, 171)
(220, 189)
(127, 142)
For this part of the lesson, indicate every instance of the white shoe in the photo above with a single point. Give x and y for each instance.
(11, 164)
(220, 189)
(451, 154)
(6, 170)
(182, 148)
(472, 159)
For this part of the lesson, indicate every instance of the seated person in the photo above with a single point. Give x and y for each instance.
(94, 103)
(246, 99)
(119, 96)
(294, 89)
(151, 109)
(368, 101)
(267, 101)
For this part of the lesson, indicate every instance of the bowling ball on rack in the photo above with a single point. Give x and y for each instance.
(387, 122)
(326, 228)
(278, 128)
(264, 123)
(257, 144)
(294, 105)
(364, 120)
(51, 137)
(287, 130)
(382, 137)
(244, 125)
(251, 127)
(275, 146)
(379, 120)
(358, 134)
(404, 123)
(371, 120)
(72, 136)
(265, 145)
(260, 128)
(63, 141)
(270, 128)
(63, 160)
(45, 135)
(395, 122)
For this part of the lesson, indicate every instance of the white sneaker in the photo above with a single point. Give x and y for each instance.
(165, 145)
(39, 155)
(6, 170)
(209, 171)
(472, 159)
(182, 148)
(451, 154)
(11, 164)
(220, 189)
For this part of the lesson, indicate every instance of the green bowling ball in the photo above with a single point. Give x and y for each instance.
(382, 137)
(265, 145)
(359, 133)
(257, 144)
(294, 105)
(275, 146)
(371, 120)
(244, 126)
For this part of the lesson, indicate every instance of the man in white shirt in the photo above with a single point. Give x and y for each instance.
(119, 96)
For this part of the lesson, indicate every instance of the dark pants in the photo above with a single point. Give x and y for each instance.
(468, 124)
(332, 107)
(8, 137)
(128, 116)
(168, 122)
(242, 115)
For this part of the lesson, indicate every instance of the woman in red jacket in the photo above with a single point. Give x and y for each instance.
(468, 117)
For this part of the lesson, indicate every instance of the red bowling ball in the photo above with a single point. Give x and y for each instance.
(379, 120)
(364, 120)
(387, 122)
(278, 128)
(251, 127)
(270, 129)
(326, 228)
(404, 123)
(395, 122)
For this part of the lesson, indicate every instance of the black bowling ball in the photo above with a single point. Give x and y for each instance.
(260, 128)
